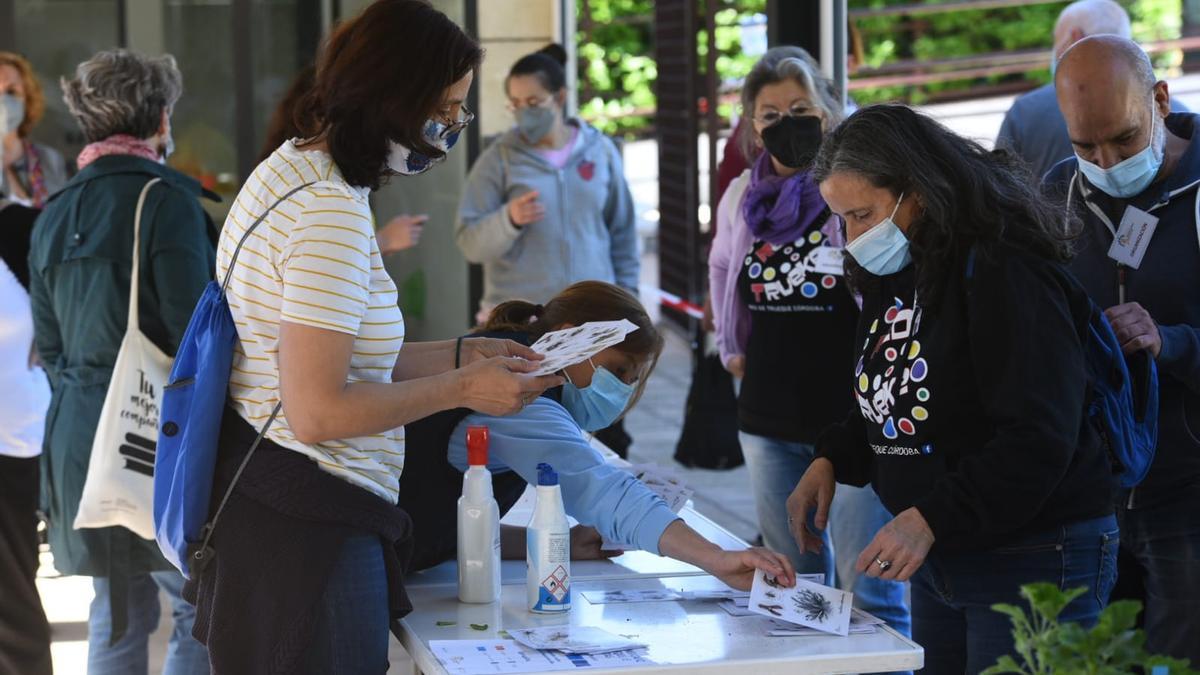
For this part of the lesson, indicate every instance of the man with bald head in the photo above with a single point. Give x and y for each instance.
(1133, 181)
(1033, 127)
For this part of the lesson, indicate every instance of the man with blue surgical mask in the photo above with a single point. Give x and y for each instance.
(1133, 183)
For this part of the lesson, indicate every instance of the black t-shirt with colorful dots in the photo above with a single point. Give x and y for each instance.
(973, 410)
(800, 351)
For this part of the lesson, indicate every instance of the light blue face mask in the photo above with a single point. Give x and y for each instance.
(598, 405)
(1133, 175)
(883, 249)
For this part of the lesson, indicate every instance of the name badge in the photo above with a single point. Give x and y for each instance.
(1133, 237)
(825, 260)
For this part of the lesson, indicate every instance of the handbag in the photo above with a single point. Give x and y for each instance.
(119, 488)
(710, 423)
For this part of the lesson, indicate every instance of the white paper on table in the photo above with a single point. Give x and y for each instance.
(476, 657)
(573, 639)
(729, 594)
(744, 600)
(614, 597)
(861, 618)
(663, 482)
(807, 604)
(733, 609)
(569, 346)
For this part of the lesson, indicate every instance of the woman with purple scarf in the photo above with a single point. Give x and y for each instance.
(785, 318)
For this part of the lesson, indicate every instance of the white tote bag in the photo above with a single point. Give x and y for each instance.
(119, 489)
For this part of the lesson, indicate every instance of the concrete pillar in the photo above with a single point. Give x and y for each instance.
(508, 30)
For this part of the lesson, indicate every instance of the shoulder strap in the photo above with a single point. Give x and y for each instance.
(204, 554)
(246, 235)
(135, 268)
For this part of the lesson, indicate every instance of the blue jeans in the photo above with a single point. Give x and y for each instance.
(856, 515)
(352, 627)
(953, 592)
(129, 656)
(1160, 566)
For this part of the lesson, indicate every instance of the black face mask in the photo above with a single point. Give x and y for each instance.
(793, 141)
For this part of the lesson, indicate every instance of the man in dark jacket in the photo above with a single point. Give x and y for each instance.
(1134, 183)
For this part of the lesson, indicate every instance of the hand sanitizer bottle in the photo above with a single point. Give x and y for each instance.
(548, 548)
(478, 526)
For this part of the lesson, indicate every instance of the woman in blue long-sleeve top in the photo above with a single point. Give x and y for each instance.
(551, 429)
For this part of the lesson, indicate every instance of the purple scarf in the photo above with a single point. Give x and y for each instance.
(780, 210)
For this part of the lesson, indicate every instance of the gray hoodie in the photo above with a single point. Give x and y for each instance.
(588, 233)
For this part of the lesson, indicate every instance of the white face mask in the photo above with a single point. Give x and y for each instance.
(408, 162)
(12, 113)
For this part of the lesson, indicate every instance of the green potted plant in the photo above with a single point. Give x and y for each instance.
(1047, 647)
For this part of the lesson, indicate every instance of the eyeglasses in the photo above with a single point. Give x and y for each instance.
(514, 106)
(772, 117)
(464, 119)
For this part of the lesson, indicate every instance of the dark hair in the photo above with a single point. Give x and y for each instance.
(548, 64)
(379, 78)
(289, 117)
(969, 196)
(578, 304)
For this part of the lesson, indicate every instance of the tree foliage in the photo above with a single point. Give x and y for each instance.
(617, 69)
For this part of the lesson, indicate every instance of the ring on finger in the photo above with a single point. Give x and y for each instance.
(884, 565)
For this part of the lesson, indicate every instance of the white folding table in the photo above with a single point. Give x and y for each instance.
(682, 636)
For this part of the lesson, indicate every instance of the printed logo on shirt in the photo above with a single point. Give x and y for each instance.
(890, 380)
(789, 278)
(587, 170)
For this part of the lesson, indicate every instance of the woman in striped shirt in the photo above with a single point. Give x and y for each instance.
(320, 332)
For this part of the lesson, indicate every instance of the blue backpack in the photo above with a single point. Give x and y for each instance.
(194, 402)
(1124, 400)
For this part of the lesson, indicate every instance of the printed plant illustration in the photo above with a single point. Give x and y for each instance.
(813, 605)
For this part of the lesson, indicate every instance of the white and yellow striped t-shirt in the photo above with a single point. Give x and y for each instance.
(313, 261)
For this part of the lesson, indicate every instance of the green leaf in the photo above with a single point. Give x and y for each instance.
(1006, 664)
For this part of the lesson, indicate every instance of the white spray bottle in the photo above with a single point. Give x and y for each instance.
(548, 548)
(478, 526)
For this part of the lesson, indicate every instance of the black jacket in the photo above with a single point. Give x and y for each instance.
(974, 411)
(276, 544)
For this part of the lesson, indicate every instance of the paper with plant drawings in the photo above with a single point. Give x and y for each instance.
(569, 346)
(807, 604)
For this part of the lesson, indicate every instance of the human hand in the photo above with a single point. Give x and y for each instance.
(898, 549)
(586, 544)
(401, 233)
(478, 349)
(1135, 328)
(736, 568)
(525, 209)
(707, 321)
(737, 367)
(814, 491)
(501, 385)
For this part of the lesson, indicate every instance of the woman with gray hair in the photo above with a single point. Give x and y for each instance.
(80, 267)
(785, 318)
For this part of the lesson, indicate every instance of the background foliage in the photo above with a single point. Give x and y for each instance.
(617, 69)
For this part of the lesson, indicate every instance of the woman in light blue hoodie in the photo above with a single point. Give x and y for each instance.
(547, 205)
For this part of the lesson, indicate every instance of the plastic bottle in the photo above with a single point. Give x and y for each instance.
(478, 526)
(548, 548)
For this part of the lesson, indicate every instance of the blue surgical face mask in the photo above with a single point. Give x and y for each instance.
(883, 249)
(1133, 175)
(598, 405)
